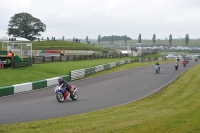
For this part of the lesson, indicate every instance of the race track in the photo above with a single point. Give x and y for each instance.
(94, 94)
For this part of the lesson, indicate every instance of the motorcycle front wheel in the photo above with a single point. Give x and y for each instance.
(74, 96)
(59, 97)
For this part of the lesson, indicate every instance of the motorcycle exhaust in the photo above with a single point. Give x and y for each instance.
(75, 89)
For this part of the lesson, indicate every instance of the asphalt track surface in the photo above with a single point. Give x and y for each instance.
(94, 94)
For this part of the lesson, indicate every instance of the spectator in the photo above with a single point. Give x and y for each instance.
(10, 54)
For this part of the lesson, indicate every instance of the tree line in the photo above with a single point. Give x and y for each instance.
(26, 26)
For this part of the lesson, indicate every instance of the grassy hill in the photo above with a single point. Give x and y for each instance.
(62, 45)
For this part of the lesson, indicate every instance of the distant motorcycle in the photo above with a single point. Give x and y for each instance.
(62, 94)
(157, 68)
(196, 60)
(184, 64)
(176, 66)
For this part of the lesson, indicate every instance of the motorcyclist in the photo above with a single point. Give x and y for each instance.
(184, 61)
(157, 64)
(187, 60)
(176, 63)
(65, 85)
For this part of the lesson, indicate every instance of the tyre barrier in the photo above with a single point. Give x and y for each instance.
(81, 73)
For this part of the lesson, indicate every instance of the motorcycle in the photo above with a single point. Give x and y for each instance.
(157, 68)
(187, 61)
(62, 94)
(176, 66)
(196, 60)
(184, 64)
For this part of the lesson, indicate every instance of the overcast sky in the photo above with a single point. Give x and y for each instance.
(81, 18)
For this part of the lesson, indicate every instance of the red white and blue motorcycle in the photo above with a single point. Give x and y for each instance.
(62, 94)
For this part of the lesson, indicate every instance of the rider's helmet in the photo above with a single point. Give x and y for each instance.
(60, 79)
(176, 62)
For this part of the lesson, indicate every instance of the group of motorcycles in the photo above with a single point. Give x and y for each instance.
(157, 67)
(184, 63)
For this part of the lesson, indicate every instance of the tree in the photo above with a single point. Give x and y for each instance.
(74, 39)
(116, 38)
(125, 39)
(154, 38)
(112, 39)
(139, 38)
(87, 40)
(26, 26)
(99, 39)
(170, 39)
(187, 39)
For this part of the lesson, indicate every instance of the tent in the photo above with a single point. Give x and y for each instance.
(4, 39)
(19, 39)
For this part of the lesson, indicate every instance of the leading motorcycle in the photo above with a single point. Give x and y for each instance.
(176, 66)
(62, 94)
(157, 68)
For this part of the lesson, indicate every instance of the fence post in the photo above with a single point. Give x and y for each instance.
(33, 59)
(52, 58)
(43, 59)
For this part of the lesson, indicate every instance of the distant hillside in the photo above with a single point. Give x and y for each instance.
(115, 38)
(62, 45)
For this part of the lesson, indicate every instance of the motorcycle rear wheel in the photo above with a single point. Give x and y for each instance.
(60, 97)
